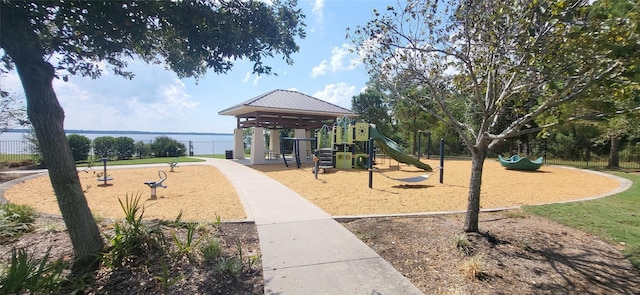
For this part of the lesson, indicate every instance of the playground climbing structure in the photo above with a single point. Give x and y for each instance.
(345, 146)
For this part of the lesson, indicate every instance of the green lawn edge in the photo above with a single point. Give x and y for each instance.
(614, 219)
(145, 161)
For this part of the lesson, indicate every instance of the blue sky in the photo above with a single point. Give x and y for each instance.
(156, 100)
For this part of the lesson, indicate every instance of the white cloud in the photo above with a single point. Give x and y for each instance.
(70, 92)
(370, 46)
(317, 9)
(255, 81)
(320, 69)
(93, 109)
(176, 98)
(338, 94)
(341, 60)
(174, 102)
(10, 82)
(248, 76)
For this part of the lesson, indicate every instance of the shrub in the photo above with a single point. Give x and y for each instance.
(124, 147)
(211, 250)
(475, 267)
(104, 146)
(142, 149)
(37, 276)
(164, 146)
(462, 243)
(187, 246)
(15, 219)
(131, 238)
(230, 267)
(80, 146)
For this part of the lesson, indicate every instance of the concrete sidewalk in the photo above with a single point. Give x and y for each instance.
(305, 251)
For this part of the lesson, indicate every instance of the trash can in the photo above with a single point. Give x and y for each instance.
(228, 154)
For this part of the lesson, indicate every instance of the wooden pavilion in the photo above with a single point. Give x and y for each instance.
(275, 110)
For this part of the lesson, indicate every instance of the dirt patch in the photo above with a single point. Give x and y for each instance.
(143, 275)
(346, 192)
(199, 192)
(520, 254)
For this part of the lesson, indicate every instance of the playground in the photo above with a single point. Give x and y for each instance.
(201, 192)
(346, 192)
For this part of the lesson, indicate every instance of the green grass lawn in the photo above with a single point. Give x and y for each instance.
(220, 156)
(18, 158)
(615, 219)
(141, 161)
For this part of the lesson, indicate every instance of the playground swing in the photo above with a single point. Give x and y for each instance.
(408, 179)
(418, 178)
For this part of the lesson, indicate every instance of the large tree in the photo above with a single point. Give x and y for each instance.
(44, 40)
(371, 107)
(479, 59)
(614, 104)
(409, 119)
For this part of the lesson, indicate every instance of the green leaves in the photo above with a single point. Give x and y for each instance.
(15, 220)
(191, 37)
(26, 274)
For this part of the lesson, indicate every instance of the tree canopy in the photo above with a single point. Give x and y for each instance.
(371, 107)
(44, 40)
(189, 37)
(491, 68)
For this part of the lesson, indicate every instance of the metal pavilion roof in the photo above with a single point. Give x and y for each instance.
(285, 109)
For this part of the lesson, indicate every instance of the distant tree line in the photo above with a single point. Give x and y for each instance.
(569, 139)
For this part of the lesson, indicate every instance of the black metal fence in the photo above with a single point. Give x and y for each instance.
(586, 156)
(16, 151)
(579, 155)
(590, 156)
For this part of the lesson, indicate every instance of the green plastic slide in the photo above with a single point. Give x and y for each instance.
(394, 151)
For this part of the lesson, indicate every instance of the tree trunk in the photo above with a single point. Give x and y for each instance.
(47, 117)
(478, 155)
(614, 153)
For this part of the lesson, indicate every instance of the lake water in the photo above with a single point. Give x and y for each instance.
(202, 143)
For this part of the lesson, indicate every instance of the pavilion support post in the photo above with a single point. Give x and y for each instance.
(257, 146)
(301, 133)
(274, 141)
(307, 134)
(238, 143)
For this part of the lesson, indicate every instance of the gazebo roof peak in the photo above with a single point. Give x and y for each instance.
(288, 102)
